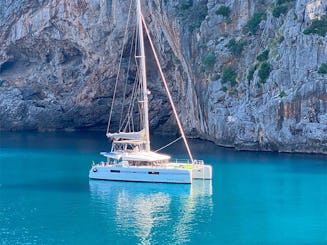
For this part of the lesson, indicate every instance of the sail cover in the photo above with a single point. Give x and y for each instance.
(140, 135)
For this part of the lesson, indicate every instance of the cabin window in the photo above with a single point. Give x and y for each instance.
(153, 172)
(115, 171)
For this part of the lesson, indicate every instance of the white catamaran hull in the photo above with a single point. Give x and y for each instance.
(150, 174)
(141, 174)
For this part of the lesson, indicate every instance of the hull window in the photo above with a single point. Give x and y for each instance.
(152, 172)
(115, 171)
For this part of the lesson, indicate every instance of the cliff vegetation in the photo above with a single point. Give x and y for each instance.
(249, 74)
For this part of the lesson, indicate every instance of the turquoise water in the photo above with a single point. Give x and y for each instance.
(254, 198)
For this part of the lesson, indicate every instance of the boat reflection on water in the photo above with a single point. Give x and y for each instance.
(144, 211)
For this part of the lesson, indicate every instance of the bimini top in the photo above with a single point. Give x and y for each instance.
(142, 156)
(145, 156)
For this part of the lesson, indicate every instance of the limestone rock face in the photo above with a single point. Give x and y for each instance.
(242, 72)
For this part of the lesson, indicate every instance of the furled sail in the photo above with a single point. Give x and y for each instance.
(140, 135)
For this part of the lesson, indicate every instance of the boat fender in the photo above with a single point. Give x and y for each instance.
(94, 170)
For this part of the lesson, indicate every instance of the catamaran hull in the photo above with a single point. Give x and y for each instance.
(156, 175)
(202, 172)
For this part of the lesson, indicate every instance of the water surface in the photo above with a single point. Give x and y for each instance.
(254, 198)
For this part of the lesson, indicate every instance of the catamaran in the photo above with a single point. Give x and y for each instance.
(131, 157)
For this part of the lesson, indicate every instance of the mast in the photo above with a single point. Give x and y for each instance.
(143, 76)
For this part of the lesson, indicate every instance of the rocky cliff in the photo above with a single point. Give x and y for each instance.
(249, 74)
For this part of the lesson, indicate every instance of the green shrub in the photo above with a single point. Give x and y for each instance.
(236, 48)
(263, 56)
(224, 11)
(2, 82)
(253, 24)
(251, 73)
(186, 4)
(229, 75)
(281, 39)
(278, 10)
(176, 60)
(209, 60)
(323, 68)
(264, 72)
(282, 94)
(233, 82)
(318, 27)
(224, 89)
(280, 2)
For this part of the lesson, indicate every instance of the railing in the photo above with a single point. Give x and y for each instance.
(199, 162)
(187, 161)
(175, 160)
